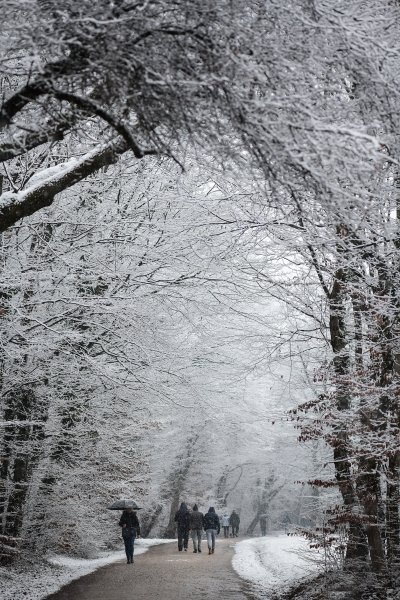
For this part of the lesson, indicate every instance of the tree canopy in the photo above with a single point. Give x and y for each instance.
(214, 162)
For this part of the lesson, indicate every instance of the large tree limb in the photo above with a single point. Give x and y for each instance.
(33, 90)
(83, 103)
(19, 100)
(93, 108)
(16, 205)
(54, 131)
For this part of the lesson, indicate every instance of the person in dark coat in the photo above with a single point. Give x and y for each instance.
(263, 524)
(130, 530)
(211, 526)
(182, 517)
(196, 526)
(234, 521)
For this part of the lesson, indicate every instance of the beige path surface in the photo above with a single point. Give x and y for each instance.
(163, 573)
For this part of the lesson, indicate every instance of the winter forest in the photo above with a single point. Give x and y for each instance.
(200, 272)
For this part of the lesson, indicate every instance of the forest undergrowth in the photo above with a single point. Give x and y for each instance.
(346, 585)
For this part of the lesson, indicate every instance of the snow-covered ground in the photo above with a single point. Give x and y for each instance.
(270, 563)
(276, 561)
(36, 584)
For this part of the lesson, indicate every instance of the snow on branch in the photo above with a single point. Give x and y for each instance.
(93, 107)
(54, 131)
(16, 205)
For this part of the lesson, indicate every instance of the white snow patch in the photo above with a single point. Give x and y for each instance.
(50, 172)
(36, 584)
(48, 176)
(276, 561)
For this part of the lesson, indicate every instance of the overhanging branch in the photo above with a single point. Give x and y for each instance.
(93, 108)
(16, 205)
(54, 131)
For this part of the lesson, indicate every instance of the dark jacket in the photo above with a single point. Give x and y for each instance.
(196, 519)
(132, 523)
(182, 517)
(234, 519)
(211, 520)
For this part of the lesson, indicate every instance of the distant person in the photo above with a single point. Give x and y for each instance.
(130, 530)
(286, 522)
(211, 526)
(234, 522)
(196, 527)
(182, 517)
(263, 525)
(225, 524)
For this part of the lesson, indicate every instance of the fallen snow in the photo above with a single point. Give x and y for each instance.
(276, 561)
(49, 176)
(36, 584)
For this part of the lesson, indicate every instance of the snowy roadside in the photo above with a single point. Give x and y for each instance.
(275, 562)
(48, 577)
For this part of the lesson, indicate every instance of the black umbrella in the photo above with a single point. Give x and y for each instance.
(122, 504)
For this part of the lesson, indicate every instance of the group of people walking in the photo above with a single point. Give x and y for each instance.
(187, 521)
(195, 522)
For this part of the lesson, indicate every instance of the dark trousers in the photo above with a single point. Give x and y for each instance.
(235, 530)
(226, 530)
(129, 546)
(183, 538)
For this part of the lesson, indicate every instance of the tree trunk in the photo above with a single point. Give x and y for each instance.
(20, 452)
(368, 490)
(261, 510)
(343, 472)
(171, 527)
(392, 508)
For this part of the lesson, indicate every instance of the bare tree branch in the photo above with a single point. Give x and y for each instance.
(16, 205)
(94, 108)
(55, 131)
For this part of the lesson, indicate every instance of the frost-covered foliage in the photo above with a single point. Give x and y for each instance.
(296, 89)
(294, 108)
(127, 342)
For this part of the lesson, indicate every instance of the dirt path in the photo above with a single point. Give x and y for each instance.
(163, 573)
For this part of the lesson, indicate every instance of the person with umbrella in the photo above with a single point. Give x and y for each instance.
(130, 530)
(130, 525)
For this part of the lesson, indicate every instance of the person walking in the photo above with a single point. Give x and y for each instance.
(225, 524)
(234, 522)
(263, 524)
(196, 527)
(182, 517)
(130, 530)
(212, 528)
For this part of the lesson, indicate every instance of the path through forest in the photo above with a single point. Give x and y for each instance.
(163, 573)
